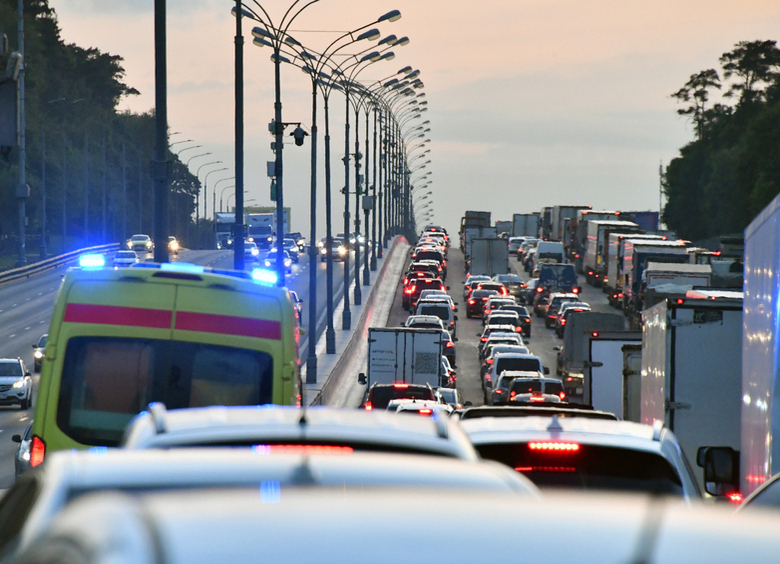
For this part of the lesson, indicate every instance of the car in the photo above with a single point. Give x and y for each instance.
(433, 256)
(512, 361)
(39, 351)
(292, 249)
(490, 285)
(527, 294)
(251, 252)
(448, 346)
(505, 317)
(338, 251)
(299, 239)
(491, 350)
(16, 385)
(533, 388)
(514, 244)
(529, 410)
(270, 260)
(140, 243)
(31, 504)
(489, 330)
(424, 322)
(412, 291)
(439, 308)
(476, 302)
(379, 395)
(452, 397)
(512, 282)
(495, 302)
(471, 283)
(125, 258)
(22, 458)
(173, 245)
(522, 312)
(426, 408)
(580, 453)
(500, 392)
(246, 426)
(554, 303)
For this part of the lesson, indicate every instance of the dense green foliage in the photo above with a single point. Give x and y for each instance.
(97, 159)
(731, 171)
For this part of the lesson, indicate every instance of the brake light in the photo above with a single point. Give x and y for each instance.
(528, 320)
(554, 446)
(537, 398)
(562, 395)
(472, 302)
(735, 497)
(410, 290)
(368, 406)
(540, 290)
(552, 316)
(563, 321)
(595, 333)
(37, 451)
(426, 411)
(485, 299)
(406, 281)
(513, 394)
(449, 345)
(545, 469)
(499, 391)
(490, 361)
(518, 329)
(483, 339)
(679, 301)
(401, 386)
(575, 291)
(577, 256)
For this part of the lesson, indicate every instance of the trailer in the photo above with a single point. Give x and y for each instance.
(636, 255)
(223, 229)
(472, 233)
(692, 370)
(525, 225)
(557, 217)
(647, 220)
(404, 355)
(613, 279)
(593, 263)
(605, 384)
(579, 233)
(489, 257)
(504, 229)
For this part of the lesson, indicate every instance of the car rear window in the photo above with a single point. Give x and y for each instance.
(380, 396)
(588, 467)
(440, 311)
(516, 363)
(536, 385)
(106, 381)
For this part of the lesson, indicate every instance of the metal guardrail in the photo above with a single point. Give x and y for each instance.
(48, 264)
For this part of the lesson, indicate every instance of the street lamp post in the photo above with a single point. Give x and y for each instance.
(205, 201)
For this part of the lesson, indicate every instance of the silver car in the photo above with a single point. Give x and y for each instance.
(15, 383)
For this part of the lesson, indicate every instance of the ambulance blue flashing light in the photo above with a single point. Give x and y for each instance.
(92, 261)
(264, 276)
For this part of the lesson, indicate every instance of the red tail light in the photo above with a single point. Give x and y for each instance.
(368, 406)
(512, 394)
(562, 395)
(37, 451)
(485, 299)
(499, 391)
(595, 333)
(449, 344)
(483, 339)
(426, 411)
(303, 449)
(735, 497)
(537, 398)
(410, 290)
(518, 329)
(528, 320)
(406, 281)
(490, 361)
(554, 446)
(679, 301)
(563, 321)
(540, 290)
(472, 302)
(401, 386)
(575, 291)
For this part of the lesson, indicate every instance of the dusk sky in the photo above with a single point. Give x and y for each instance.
(531, 102)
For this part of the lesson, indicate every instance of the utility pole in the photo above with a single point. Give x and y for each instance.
(22, 190)
(161, 164)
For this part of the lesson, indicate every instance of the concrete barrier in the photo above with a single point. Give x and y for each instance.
(341, 388)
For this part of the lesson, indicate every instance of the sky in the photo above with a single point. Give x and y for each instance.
(532, 103)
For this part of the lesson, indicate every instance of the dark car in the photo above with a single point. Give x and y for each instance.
(430, 254)
(524, 389)
(528, 293)
(413, 290)
(525, 317)
(39, 351)
(337, 250)
(380, 395)
(299, 239)
(513, 283)
(476, 302)
(563, 318)
(500, 288)
(22, 458)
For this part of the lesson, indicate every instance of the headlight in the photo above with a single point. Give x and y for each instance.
(38, 353)
(269, 239)
(230, 241)
(323, 251)
(320, 244)
(19, 384)
(342, 250)
(129, 244)
(255, 252)
(268, 263)
(287, 262)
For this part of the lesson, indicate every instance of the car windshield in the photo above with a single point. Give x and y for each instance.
(139, 238)
(106, 381)
(13, 368)
(587, 467)
(512, 278)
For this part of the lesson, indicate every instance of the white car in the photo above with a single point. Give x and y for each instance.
(441, 308)
(16, 385)
(425, 322)
(125, 258)
(580, 453)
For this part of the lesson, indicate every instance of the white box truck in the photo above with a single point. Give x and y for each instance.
(605, 385)
(692, 370)
(404, 355)
(489, 257)
(596, 243)
(525, 225)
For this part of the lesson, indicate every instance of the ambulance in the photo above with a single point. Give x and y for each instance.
(181, 334)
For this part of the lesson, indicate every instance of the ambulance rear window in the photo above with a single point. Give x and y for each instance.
(106, 381)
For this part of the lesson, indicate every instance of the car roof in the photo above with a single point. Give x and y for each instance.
(317, 525)
(220, 424)
(570, 410)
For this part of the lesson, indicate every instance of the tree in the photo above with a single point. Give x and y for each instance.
(752, 63)
(697, 91)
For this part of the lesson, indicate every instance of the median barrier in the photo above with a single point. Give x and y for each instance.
(24, 272)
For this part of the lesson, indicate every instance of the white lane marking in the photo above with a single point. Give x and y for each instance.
(26, 328)
(23, 418)
(14, 305)
(40, 293)
(12, 336)
(27, 300)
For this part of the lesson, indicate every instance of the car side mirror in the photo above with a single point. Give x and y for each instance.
(456, 317)
(478, 334)
(557, 349)
(545, 370)
(454, 339)
(17, 438)
(721, 469)
(447, 287)
(467, 404)
(362, 379)
(35, 346)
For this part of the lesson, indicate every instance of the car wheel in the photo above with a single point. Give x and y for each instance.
(25, 404)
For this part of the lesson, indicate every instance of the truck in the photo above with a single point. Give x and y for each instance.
(504, 229)
(223, 229)
(692, 370)
(612, 283)
(471, 233)
(606, 386)
(489, 257)
(480, 219)
(593, 262)
(525, 225)
(260, 229)
(404, 355)
(251, 210)
(558, 277)
(636, 255)
(578, 233)
(545, 222)
(557, 217)
(647, 220)
(573, 354)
